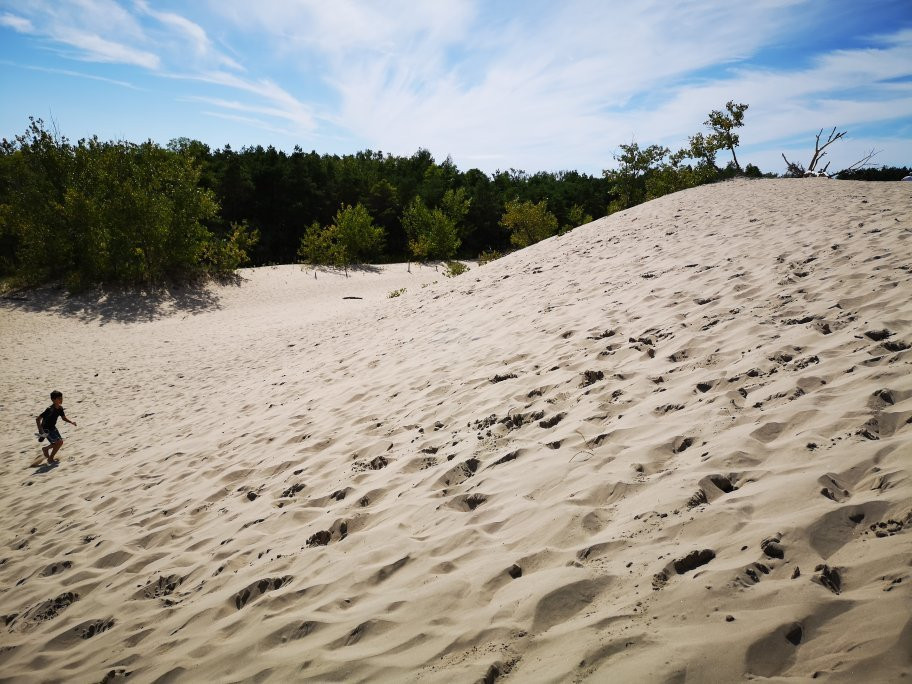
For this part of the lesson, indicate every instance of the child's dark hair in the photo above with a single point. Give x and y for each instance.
(56, 395)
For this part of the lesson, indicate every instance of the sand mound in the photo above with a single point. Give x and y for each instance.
(673, 445)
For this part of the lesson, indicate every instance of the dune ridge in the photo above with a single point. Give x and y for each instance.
(673, 445)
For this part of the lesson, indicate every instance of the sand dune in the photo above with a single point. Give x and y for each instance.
(673, 445)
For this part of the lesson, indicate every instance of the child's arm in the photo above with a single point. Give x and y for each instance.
(38, 423)
(68, 420)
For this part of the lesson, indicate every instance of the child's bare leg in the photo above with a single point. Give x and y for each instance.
(55, 447)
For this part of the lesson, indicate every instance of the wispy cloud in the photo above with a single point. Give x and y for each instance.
(165, 44)
(284, 105)
(94, 48)
(248, 121)
(290, 115)
(70, 72)
(541, 84)
(188, 30)
(15, 22)
(534, 83)
(94, 30)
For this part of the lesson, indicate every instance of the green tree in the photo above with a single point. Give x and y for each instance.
(351, 239)
(360, 240)
(576, 217)
(320, 247)
(702, 149)
(37, 168)
(628, 181)
(723, 125)
(431, 232)
(96, 212)
(528, 222)
(224, 256)
(455, 204)
(383, 204)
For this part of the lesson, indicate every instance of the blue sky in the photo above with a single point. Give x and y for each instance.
(522, 84)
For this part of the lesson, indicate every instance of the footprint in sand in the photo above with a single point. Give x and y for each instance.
(293, 490)
(772, 654)
(162, 586)
(772, 548)
(115, 675)
(458, 474)
(511, 456)
(337, 532)
(376, 463)
(87, 630)
(55, 568)
(257, 589)
(713, 487)
(833, 530)
(467, 503)
(552, 421)
(681, 566)
(829, 578)
(681, 443)
(44, 611)
(833, 489)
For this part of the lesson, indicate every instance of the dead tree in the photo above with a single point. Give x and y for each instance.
(796, 170)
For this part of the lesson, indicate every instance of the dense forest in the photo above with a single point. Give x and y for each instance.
(101, 212)
(283, 194)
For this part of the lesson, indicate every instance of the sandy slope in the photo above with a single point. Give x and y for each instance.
(663, 447)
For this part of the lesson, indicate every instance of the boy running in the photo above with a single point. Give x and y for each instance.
(47, 423)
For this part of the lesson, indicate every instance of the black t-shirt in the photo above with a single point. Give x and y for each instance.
(50, 415)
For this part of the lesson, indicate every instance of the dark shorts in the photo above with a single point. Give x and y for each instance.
(53, 435)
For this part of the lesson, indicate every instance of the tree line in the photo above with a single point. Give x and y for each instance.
(109, 212)
(141, 214)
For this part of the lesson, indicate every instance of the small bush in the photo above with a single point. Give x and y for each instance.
(224, 256)
(528, 222)
(396, 293)
(351, 239)
(431, 233)
(455, 268)
(488, 256)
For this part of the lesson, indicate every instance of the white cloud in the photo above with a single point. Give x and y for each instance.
(559, 93)
(249, 121)
(301, 119)
(105, 31)
(15, 22)
(284, 105)
(843, 88)
(529, 84)
(70, 72)
(543, 85)
(97, 49)
(202, 45)
(98, 30)
(344, 26)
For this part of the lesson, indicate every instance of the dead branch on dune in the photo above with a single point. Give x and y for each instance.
(861, 163)
(796, 170)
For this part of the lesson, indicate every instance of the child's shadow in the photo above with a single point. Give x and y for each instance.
(46, 468)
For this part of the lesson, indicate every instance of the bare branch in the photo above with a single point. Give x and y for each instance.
(797, 170)
(863, 162)
(819, 151)
(793, 169)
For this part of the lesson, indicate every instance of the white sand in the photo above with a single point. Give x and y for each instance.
(400, 534)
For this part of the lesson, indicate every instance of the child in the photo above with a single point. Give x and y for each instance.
(47, 422)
